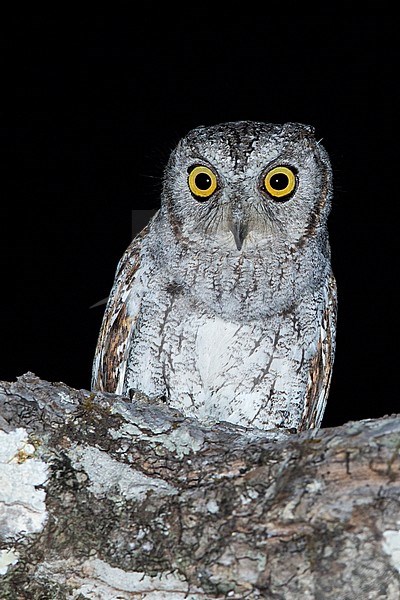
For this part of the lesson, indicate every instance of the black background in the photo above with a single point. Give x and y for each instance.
(92, 113)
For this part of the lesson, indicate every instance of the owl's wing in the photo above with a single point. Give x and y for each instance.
(321, 363)
(118, 324)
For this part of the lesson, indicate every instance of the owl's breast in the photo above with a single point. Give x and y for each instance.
(251, 372)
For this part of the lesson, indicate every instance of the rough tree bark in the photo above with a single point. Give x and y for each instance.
(104, 498)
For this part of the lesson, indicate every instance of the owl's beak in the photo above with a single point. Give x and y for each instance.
(239, 230)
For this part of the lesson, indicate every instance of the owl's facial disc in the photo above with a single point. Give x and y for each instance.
(241, 205)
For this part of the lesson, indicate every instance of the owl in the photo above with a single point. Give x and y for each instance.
(225, 304)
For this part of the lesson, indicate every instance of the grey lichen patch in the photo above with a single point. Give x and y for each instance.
(134, 581)
(391, 546)
(95, 578)
(8, 557)
(108, 476)
(152, 418)
(22, 493)
(212, 506)
(180, 441)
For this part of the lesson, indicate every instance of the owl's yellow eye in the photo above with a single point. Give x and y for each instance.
(202, 182)
(280, 182)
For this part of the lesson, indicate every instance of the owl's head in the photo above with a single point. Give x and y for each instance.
(239, 185)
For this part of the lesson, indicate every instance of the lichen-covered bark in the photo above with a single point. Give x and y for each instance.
(104, 498)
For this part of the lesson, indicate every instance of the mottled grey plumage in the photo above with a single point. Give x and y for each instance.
(226, 303)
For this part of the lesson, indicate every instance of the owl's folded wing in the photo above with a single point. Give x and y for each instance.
(110, 359)
(321, 363)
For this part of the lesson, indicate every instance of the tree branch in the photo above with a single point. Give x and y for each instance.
(104, 498)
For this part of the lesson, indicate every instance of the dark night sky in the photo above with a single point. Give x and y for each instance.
(91, 116)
